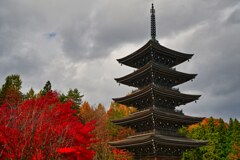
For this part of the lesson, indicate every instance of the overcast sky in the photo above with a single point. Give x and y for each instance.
(75, 44)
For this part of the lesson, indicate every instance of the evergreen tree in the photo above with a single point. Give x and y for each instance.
(30, 94)
(221, 147)
(235, 140)
(46, 88)
(10, 91)
(73, 95)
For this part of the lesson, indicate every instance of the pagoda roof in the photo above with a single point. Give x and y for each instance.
(149, 138)
(160, 71)
(153, 45)
(166, 116)
(161, 91)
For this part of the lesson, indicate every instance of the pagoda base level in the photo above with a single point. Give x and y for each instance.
(157, 158)
(154, 146)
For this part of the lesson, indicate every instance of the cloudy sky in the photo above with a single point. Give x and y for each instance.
(75, 44)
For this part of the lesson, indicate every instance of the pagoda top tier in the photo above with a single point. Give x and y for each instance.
(153, 51)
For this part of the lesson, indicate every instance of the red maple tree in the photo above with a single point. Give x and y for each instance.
(44, 128)
(122, 154)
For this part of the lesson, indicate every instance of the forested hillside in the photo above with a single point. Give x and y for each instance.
(223, 139)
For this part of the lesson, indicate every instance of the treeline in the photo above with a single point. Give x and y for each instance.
(10, 92)
(54, 125)
(223, 140)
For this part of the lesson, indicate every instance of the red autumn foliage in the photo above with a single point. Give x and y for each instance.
(121, 154)
(44, 128)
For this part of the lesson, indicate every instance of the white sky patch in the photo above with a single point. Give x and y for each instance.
(226, 13)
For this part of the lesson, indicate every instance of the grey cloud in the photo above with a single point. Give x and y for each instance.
(174, 17)
(234, 17)
(108, 27)
(224, 106)
(96, 33)
(21, 65)
(89, 32)
(17, 23)
(217, 63)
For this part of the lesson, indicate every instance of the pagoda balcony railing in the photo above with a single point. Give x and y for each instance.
(163, 87)
(176, 111)
(139, 156)
(169, 132)
(166, 132)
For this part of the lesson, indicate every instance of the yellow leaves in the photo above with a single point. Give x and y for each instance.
(86, 112)
(118, 111)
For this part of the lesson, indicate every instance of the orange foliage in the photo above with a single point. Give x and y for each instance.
(123, 133)
(86, 112)
(205, 122)
(104, 130)
(121, 154)
(191, 127)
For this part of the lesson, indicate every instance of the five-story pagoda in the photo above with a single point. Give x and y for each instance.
(157, 121)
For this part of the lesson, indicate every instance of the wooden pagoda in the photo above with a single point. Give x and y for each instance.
(157, 121)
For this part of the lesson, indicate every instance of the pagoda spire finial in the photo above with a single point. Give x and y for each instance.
(153, 23)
